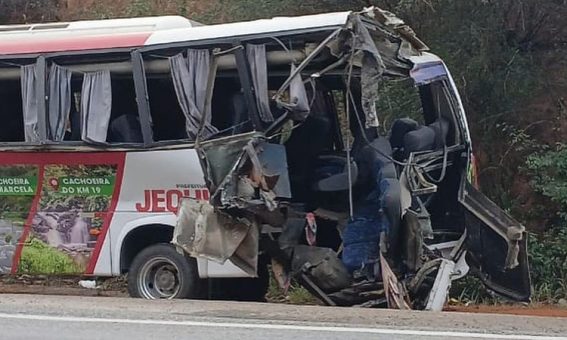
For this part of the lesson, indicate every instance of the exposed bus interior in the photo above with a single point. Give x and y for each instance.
(12, 130)
(352, 200)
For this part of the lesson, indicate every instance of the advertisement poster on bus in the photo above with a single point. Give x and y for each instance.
(57, 228)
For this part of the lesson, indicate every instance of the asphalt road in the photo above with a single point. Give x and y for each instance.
(56, 317)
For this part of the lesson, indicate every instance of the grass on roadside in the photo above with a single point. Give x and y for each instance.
(296, 294)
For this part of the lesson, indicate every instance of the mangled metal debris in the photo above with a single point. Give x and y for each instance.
(217, 236)
(385, 221)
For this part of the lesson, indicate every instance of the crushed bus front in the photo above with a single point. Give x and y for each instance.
(357, 215)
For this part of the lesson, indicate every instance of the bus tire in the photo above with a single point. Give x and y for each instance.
(160, 272)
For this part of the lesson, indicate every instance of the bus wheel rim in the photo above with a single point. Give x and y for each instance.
(159, 279)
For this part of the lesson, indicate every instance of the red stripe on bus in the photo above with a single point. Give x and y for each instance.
(108, 219)
(29, 220)
(43, 44)
(63, 158)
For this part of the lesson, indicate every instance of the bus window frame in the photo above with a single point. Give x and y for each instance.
(139, 78)
(41, 61)
(142, 97)
(242, 68)
(41, 84)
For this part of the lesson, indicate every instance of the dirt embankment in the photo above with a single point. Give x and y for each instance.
(26, 284)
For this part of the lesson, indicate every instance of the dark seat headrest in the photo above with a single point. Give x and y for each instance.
(421, 139)
(399, 129)
(332, 174)
(431, 137)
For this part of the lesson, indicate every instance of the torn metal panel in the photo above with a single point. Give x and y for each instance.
(202, 231)
(440, 289)
(246, 177)
(245, 171)
(412, 241)
(497, 220)
(497, 245)
(392, 22)
(371, 72)
(378, 48)
(396, 294)
(246, 255)
(220, 157)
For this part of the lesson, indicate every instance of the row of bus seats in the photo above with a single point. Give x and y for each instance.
(377, 205)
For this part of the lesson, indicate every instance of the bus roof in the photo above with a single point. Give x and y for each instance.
(247, 28)
(138, 32)
(84, 35)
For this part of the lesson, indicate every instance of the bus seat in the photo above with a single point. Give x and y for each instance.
(125, 129)
(408, 135)
(399, 129)
(332, 174)
(420, 139)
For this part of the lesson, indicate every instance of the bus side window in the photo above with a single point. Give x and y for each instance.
(229, 113)
(124, 126)
(167, 117)
(229, 108)
(93, 103)
(73, 124)
(11, 110)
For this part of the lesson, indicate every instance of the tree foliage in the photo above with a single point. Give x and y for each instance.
(549, 175)
(25, 11)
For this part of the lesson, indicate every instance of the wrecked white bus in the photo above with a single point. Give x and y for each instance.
(267, 139)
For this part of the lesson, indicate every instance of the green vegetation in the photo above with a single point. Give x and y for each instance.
(399, 99)
(548, 261)
(39, 258)
(296, 294)
(548, 170)
(469, 290)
